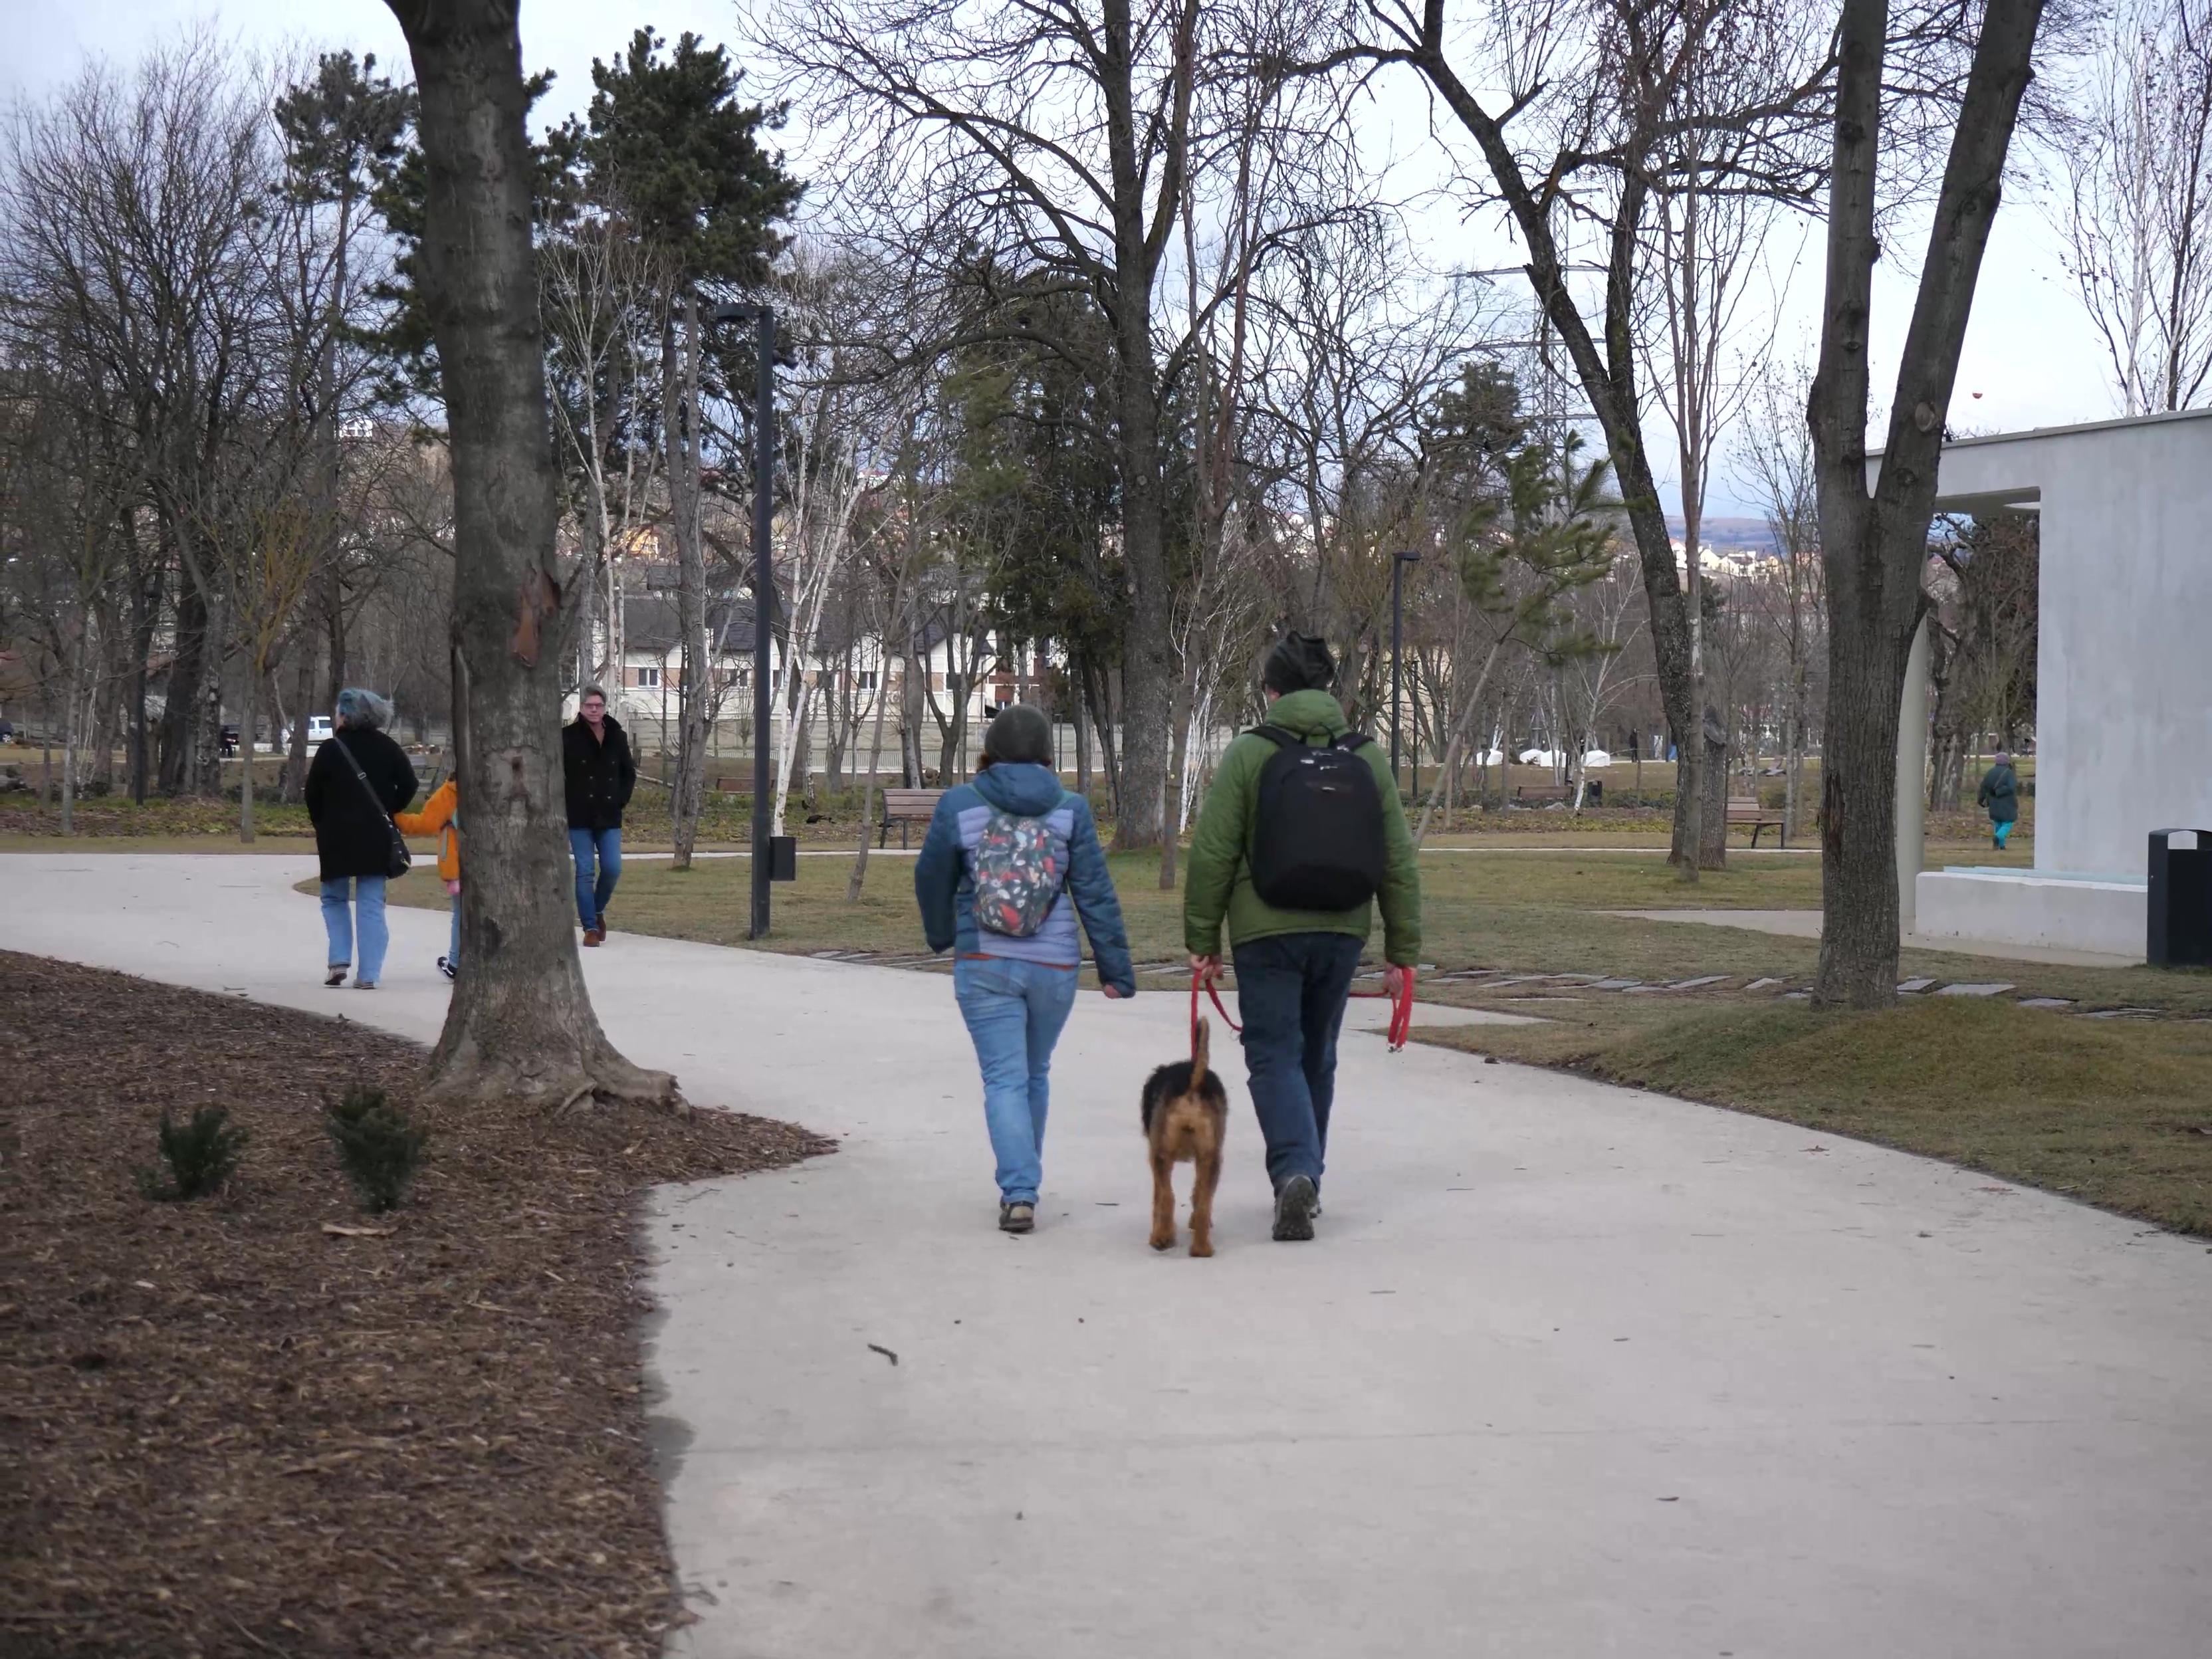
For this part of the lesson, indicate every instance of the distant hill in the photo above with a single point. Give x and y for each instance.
(1729, 533)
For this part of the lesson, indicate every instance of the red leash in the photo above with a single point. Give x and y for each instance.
(1401, 1009)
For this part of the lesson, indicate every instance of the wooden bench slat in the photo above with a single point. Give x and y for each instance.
(1743, 810)
(904, 807)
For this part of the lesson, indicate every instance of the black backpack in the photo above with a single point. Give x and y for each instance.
(1317, 829)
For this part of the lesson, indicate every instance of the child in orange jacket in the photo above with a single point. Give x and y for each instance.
(440, 817)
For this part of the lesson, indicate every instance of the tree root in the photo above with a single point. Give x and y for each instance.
(567, 1086)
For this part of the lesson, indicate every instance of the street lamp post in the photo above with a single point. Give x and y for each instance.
(763, 319)
(1399, 560)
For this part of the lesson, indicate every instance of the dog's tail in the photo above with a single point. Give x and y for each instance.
(1198, 1054)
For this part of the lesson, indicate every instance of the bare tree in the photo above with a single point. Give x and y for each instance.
(1060, 141)
(1599, 109)
(2137, 212)
(1873, 532)
(520, 1031)
(1775, 462)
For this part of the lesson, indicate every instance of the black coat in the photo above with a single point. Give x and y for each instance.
(352, 838)
(599, 773)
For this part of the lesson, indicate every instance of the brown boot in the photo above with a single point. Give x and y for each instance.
(593, 935)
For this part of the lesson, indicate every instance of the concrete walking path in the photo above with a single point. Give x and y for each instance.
(1570, 1370)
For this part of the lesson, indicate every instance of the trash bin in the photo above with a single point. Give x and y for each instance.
(783, 857)
(2180, 899)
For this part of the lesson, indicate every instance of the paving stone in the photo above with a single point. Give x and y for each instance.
(1987, 989)
(1615, 984)
(1761, 984)
(1910, 986)
(2123, 1013)
(1796, 996)
(1702, 979)
(2046, 1002)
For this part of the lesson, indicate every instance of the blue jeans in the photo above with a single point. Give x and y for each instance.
(1290, 990)
(340, 899)
(453, 951)
(604, 847)
(1014, 1011)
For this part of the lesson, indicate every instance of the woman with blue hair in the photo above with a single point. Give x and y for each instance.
(359, 779)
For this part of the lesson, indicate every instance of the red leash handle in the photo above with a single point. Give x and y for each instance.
(1198, 978)
(1402, 1008)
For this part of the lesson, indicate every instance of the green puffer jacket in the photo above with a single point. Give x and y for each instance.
(1220, 883)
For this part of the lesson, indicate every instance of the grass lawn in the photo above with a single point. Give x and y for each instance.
(1524, 910)
(2116, 1113)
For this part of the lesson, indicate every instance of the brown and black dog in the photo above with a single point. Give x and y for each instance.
(1186, 1110)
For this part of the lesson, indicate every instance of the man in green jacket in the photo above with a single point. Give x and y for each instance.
(1294, 967)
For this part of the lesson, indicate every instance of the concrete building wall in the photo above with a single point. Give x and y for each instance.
(2124, 697)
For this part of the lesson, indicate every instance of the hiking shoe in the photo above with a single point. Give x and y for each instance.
(1016, 1217)
(1294, 1210)
(334, 975)
(445, 967)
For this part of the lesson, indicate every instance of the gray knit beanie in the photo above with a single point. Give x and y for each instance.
(1299, 662)
(1020, 733)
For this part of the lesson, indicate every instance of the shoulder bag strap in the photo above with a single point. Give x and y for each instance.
(366, 788)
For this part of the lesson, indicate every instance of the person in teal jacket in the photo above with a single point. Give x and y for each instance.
(1294, 969)
(1016, 993)
(2000, 794)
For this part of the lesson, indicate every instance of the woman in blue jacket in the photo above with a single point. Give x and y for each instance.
(1010, 860)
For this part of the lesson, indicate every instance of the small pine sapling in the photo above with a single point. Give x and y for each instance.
(201, 1155)
(378, 1147)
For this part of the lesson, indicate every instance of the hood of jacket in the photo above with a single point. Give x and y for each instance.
(1022, 788)
(1308, 715)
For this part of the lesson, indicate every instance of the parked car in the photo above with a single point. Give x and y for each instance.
(318, 730)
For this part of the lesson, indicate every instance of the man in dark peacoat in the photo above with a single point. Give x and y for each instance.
(598, 775)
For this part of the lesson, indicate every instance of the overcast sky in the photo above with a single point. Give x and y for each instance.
(2030, 351)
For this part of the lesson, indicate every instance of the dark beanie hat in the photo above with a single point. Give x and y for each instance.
(1299, 662)
(1020, 733)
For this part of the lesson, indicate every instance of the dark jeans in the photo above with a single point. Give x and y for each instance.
(1291, 991)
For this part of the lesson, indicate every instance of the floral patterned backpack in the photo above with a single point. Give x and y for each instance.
(1017, 879)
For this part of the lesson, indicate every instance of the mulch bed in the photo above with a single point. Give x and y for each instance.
(229, 1430)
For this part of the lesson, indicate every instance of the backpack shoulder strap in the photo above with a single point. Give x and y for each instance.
(1352, 740)
(1277, 735)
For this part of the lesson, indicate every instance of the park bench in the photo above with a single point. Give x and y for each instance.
(1744, 810)
(906, 806)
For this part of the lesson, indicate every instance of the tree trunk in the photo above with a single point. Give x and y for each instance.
(179, 728)
(245, 722)
(1148, 656)
(1082, 727)
(71, 695)
(520, 1030)
(1712, 785)
(295, 757)
(1172, 800)
(868, 790)
(1874, 543)
(679, 393)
